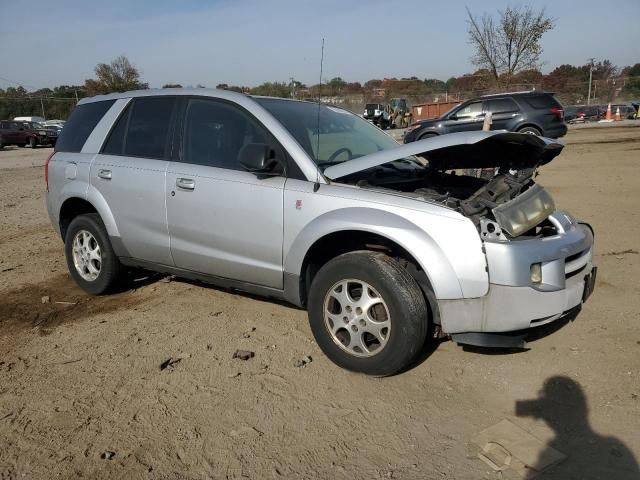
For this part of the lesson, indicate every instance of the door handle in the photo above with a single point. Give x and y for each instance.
(106, 174)
(185, 183)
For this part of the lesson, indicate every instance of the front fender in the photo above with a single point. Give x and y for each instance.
(408, 235)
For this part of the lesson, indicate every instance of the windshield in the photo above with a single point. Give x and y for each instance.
(342, 136)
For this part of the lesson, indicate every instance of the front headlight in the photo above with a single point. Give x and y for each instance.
(524, 212)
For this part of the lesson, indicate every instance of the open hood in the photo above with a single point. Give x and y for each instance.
(477, 149)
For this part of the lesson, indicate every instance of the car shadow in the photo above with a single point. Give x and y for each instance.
(562, 404)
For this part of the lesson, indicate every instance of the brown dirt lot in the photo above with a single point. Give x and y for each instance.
(81, 379)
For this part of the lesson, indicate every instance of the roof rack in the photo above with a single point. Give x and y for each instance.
(521, 92)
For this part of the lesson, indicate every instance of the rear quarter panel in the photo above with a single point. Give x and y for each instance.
(68, 178)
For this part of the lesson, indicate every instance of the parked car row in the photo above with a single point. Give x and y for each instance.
(593, 113)
(23, 133)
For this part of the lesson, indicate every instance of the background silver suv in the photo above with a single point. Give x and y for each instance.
(314, 205)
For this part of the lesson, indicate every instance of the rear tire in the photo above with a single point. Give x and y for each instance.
(90, 258)
(379, 333)
(530, 131)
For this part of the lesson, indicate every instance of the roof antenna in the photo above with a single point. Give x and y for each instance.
(316, 186)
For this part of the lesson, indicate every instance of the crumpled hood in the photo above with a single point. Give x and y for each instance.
(477, 149)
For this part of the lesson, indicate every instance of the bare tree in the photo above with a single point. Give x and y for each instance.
(118, 76)
(510, 43)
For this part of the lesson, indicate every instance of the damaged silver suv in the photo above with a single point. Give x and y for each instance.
(381, 243)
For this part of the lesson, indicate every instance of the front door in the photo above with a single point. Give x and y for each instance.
(469, 117)
(223, 220)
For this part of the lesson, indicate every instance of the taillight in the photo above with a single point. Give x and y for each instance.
(46, 170)
(558, 112)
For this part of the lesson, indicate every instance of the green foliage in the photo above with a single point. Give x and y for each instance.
(118, 76)
(273, 89)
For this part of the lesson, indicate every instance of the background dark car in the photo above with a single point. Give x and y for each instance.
(533, 112)
(583, 113)
(626, 111)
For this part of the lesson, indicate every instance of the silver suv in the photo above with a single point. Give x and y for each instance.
(384, 245)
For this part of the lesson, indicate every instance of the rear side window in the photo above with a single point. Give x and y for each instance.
(115, 142)
(501, 105)
(80, 124)
(143, 129)
(542, 101)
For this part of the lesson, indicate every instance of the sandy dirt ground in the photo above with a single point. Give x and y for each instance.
(83, 395)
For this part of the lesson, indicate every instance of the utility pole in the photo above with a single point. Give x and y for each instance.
(591, 60)
(293, 86)
(42, 105)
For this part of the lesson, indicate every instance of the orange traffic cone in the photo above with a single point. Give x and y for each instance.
(618, 117)
(608, 117)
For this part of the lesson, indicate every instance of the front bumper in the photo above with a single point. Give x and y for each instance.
(513, 302)
(46, 140)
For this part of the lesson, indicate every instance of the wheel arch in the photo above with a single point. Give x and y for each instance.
(427, 133)
(335, 233)
(337, 243)
(70, 209)
(92, 202)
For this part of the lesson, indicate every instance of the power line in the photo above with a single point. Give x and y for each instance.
(20, 84)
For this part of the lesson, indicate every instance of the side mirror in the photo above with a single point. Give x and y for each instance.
(453, 116)
(257, 158)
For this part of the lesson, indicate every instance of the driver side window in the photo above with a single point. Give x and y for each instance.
(215, 132)
(471, 110)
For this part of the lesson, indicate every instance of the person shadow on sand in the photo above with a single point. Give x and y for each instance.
(563, 406)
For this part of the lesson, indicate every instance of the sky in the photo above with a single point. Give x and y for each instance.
(247, 42)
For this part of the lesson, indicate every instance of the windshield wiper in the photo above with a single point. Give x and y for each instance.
(326, 164)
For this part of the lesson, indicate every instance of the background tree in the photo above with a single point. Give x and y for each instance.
(510, 43)
(171, 85)
(118, 76)
(273, 89)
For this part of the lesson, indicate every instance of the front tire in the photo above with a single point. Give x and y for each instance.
(90, 258)
(367, 313)
(427, 135)
(530, 131)
(33, 143)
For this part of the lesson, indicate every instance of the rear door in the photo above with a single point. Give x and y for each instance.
(130, 174)
(503, 112)
(5, 133)
(12, 133)
(223, 220)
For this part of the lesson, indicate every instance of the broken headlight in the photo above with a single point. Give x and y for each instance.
(524, 212)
